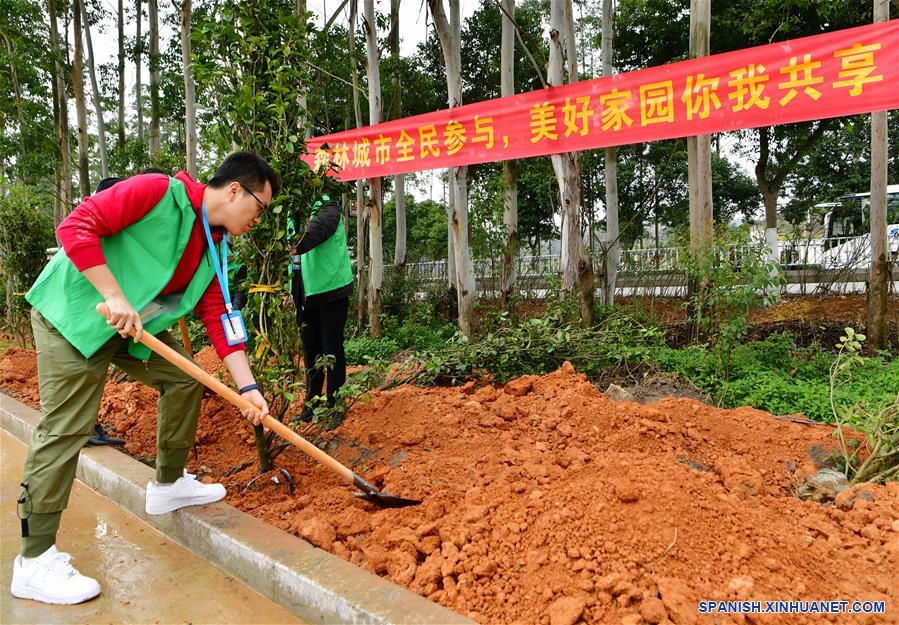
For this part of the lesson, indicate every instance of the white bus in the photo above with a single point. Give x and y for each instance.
(847, 228)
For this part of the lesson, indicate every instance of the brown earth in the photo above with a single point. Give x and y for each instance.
(545, 502)
(849, 308)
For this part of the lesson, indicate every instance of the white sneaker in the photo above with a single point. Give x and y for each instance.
(51, 579)
(185, 491)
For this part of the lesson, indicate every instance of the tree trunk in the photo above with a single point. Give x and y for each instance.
(190, 94)
(138, 59)
(121, 25)
(770, 190)
(512, 243)
(577, 271)
(98, 104)
(84, 175)
(450, 196)
(63, 200)
(396, 112)
(360, 200)
(450, 35)
(154, 78)
(699, 148)
(299, 8)
(375, 227)
(878, 285)
(10, 49)
(612, 248)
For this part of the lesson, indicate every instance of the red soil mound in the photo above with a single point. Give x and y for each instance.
(545, 502)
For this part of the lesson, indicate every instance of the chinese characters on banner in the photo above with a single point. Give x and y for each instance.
(841, 73)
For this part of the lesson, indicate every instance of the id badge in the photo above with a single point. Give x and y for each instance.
(235, 331)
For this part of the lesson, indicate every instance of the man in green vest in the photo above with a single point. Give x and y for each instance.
(152, 248)
(321, 286)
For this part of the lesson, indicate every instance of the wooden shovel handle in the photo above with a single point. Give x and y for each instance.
(211, 382)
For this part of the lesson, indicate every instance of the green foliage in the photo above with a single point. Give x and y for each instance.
(425, 230)
(27, 128)
(541, 345)
(877, 421)
(357, 388)
(26, 231)
(777, 376)
(363, 348)
(731, 276)
(420, 330)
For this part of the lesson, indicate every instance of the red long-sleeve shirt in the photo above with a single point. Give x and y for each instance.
(105, 213)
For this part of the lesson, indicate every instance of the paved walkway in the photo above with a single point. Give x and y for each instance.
(146, 578)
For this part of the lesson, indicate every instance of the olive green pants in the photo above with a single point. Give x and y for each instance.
(71, 388)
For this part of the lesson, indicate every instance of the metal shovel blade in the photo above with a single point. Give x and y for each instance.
(385, 500)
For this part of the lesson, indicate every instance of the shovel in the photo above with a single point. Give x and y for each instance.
(369, 493)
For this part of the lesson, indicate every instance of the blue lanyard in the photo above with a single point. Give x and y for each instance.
(221, 268)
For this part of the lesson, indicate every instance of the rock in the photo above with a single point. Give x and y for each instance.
(742, 587)
(507, 411)
(352, 521)
(626, 492)
(412, 436)
(535, 470)
(567, 368)
(429, 544)
(401, 567)
(849, 498)
(871, 533)
(616, 393)
(474, 514)
(625, 589)
(576, 455)
(429, 571)
(485, 394)
(473, 407)
(490, 421)
(895, 525)
(823, 486)
(375, 558)
(520, 387)
(402, 535)
(566, 611)
(820, 525)
(740, 478)
(678, 601)
(653, 610)
(631, 619)
(340, 550)
(319, 532)
(607, 582)
(448, 419)
(564, 428)
(487, 569)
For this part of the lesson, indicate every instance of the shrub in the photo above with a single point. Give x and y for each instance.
(26, 231)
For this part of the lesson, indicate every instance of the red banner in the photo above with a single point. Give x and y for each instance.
(841, 73)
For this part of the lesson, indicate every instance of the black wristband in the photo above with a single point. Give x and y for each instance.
(248, 387)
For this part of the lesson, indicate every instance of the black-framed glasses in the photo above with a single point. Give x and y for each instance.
(262, 205)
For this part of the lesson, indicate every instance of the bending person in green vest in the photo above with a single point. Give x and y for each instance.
(321, 286)
(152, 248)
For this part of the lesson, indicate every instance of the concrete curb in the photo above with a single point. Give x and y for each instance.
(313, 584)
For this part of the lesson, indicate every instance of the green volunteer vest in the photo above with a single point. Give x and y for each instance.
(327, 266)
(143, 258)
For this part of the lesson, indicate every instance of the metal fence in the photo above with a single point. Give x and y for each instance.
(807, 265)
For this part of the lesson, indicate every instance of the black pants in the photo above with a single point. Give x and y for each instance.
(322, 334)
